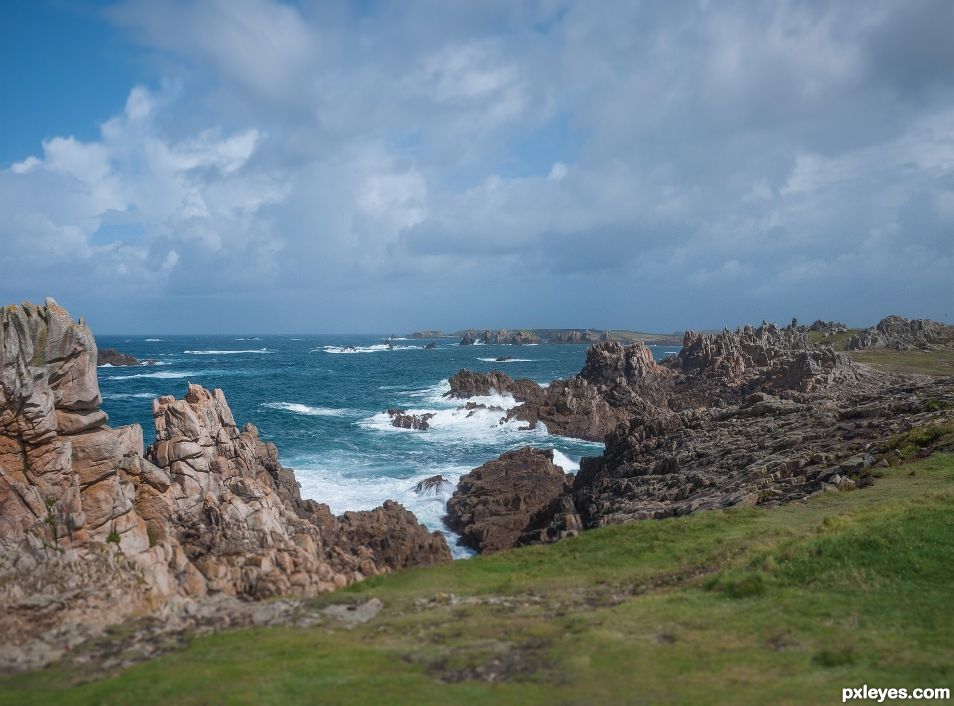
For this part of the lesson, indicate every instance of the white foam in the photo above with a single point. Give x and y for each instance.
(153, 340)
(565, 462)
(257, 350)
(106, 365)
(165, 375)
(456, 424)
(343, 490)
(256, 338)
(510, 360)
(130, 395)
(308, 410)
(376, 348)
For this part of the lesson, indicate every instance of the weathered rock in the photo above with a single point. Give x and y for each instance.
(110, 356)
(467, 384)
(493, 504)
(207, 510)
(402, 420)
(431, 486)
(900, 333)
(393, 536)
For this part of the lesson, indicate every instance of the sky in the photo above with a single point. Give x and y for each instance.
(257, 166)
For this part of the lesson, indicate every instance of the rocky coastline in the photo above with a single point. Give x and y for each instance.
(190, 533)
(95, 528)
(756, 416)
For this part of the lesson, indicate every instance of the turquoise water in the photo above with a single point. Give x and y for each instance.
(324, 406)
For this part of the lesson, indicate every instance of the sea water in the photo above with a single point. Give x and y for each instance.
(323, 399)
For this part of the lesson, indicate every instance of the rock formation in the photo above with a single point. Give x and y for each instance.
(432, 486)
(619, 382)
(577, 336)
(467, 384)
(402, 420)
(503, 336)
(86, 512)
(900, 333)
(110, 356)
(494, 504)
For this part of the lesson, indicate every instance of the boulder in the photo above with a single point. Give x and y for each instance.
(493, 504)
(110, 356)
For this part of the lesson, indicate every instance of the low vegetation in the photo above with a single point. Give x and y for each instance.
(756, 605)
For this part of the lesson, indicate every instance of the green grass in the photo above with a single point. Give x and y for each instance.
(932, 362)
(783, 605)
(838, 341)
(926, 362)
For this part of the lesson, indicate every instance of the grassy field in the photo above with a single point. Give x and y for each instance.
(932, 362)
(783, 605)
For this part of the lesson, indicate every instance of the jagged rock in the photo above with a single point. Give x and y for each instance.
(827, 328)
(503, 358)
(430, 346)
(402, 420)
(110, 356)
(86, 512)
(493, 504)
(766, 449)
(900, 333)
(428, 334)
(393, 535)
(433, 485)
(467, 384)
(619, 382)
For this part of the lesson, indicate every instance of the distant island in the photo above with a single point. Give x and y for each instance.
(532, 336)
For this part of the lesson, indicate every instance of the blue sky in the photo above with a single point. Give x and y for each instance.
(265, 166)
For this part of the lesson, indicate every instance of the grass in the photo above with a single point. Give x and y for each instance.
(926, 362)
(932, 362)
(782, 605)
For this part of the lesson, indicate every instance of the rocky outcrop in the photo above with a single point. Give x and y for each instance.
(207, 510)
(826, 328)
(616, 381)
(900, 333)
(467, 384)
(402, 420)
(501, 337)
(620, 382)
(435, 333)
(432, 486)
(494, 504)
(110, 356)
(577, 336)
(764, 450)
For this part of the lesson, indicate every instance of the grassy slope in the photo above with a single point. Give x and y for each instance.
(756, 605)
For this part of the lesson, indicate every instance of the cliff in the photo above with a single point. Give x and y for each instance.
(96, 528)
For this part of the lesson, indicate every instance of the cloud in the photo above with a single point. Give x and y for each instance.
(761, 160)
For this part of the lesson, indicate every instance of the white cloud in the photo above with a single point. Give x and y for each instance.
(607, 151)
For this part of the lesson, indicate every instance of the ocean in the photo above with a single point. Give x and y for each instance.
(323, 399)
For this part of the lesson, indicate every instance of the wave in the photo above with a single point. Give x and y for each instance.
(511, 360)
(376, 348)
(130, 395)
(163, 375)
(565, 462)
(308, 410)
(256, 338)
(257, 350)
(153, 340)
(323, 479)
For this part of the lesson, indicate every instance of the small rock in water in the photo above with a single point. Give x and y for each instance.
(434, 484)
